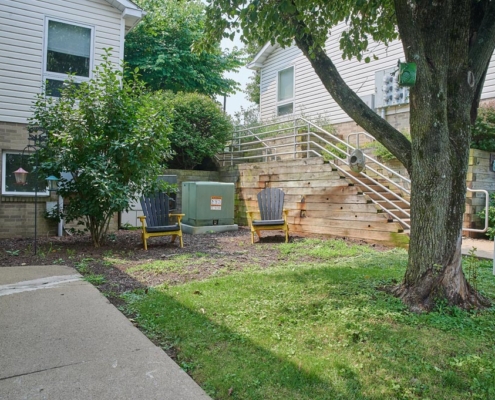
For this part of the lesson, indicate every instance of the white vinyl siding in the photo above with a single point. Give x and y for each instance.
(22, 24)
(312, 99)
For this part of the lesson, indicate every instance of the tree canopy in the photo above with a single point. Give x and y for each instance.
(451, 42)
(160, 46)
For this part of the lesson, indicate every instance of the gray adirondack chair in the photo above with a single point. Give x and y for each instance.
(272, 213)
(158, 219)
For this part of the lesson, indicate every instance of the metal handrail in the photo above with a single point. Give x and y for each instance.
(357, 137)
(487, 205)
(316, 149)
(241, 138)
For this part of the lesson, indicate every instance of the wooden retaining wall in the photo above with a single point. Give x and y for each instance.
(319, 200)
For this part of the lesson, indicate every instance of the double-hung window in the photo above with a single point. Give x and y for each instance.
(68, 50)
(285, 91)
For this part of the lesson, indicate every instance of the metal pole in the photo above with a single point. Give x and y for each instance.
(60, 231)
(36, 203)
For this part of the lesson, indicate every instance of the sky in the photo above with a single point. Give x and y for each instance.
(238, 100)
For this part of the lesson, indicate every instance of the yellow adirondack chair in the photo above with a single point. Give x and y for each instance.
(273, 215)
(157, 217)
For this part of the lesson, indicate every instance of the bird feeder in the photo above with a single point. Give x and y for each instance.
(20, 176)
(356, 161)
(52, 183)
(407, 74)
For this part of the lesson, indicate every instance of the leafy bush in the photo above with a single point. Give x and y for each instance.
(380, 151)
(491, 217)
(200, 128)
(110, 136)
(483, 132)
(333, 153)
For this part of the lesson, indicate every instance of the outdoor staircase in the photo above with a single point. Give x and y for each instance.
(387, 188)
(304, 139)
(399, 208)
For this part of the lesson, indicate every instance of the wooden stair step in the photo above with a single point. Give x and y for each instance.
(405, 213)
(373, 186)
(401, 204)
(382, 194)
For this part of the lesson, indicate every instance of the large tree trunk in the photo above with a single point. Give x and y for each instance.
(438, 40)
(438, 37)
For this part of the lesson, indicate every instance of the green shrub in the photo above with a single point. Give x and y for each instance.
(483, 133)
(111, 136)
(333, 153)
(380, 151)
(200, 129)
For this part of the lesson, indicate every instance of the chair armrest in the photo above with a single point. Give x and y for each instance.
(285, 213)
(179, 217)
(250, 215)
(142, 218)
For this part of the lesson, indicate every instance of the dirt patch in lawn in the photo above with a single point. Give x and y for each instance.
(122, 264)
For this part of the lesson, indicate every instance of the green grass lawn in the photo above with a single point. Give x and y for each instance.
(322, 330)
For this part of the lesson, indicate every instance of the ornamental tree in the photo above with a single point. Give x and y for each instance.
(111, 136)
(160, 46)
(451, 41)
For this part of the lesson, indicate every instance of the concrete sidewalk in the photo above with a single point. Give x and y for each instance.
(484, 248)
(61, 339)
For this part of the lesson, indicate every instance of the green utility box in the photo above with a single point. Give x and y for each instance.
(208, 203)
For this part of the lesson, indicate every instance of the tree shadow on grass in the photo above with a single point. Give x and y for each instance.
(229, 365)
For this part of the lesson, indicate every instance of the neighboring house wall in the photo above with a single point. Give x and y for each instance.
(311, 99)
(23, 54)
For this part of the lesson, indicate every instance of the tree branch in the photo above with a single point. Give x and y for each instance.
(482, 47)
(350, 102)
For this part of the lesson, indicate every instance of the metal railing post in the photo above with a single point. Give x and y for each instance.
(308, 141)
(295, 138)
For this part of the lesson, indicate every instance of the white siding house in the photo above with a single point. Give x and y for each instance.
(310, 98)
(40, 41)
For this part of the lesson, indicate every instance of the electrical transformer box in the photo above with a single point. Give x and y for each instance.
(208, 203)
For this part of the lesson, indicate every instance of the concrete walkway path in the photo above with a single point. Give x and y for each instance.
(61, 339)
(484, 248)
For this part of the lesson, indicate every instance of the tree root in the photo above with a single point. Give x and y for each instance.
(423, 297)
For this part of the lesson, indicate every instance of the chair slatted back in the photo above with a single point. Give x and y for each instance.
(156, 209)
(271, 203)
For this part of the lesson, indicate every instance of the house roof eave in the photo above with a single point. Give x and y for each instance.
(131, 13)
(260, 58)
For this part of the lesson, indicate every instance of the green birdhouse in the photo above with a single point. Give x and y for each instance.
(407, 74)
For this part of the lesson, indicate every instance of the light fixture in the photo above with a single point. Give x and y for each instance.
(20, 176)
